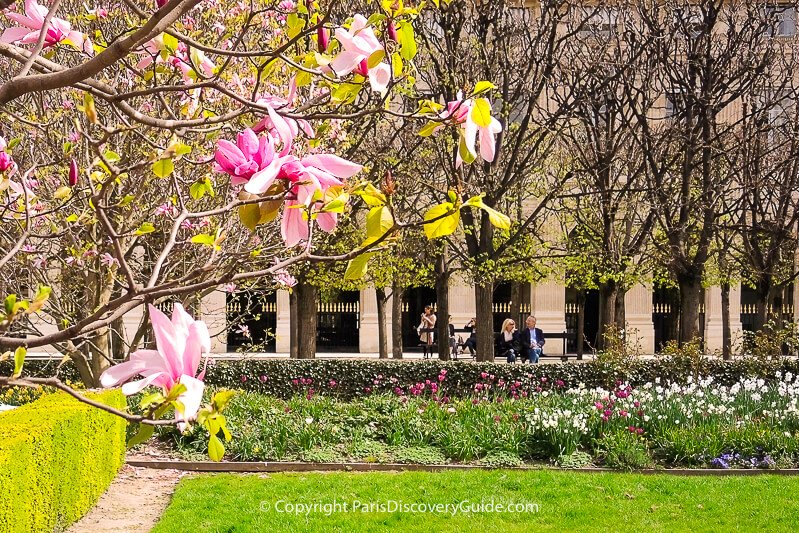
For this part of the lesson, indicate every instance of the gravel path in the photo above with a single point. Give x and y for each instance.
(133, 502)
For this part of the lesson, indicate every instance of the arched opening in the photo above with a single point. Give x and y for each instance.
(585, 301)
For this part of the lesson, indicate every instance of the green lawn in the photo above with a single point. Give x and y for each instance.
(567, 501)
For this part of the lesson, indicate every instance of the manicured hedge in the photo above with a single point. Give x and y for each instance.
(353, 378)
(57, 456)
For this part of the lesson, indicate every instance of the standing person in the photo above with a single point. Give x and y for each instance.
(532, 341)
(508, 341)
(471, 342)
(453, 342)
(426, 337)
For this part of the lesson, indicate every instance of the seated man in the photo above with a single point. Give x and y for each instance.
(532, 341)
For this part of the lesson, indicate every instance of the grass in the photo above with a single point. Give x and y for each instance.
(567, 501)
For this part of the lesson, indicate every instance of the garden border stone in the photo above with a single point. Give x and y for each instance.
(277, 466)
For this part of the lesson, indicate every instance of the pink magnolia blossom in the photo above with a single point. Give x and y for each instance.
(6, 161)
(460, 112)
(31, 24)
(358, 45)
(247, 157)
(283, 128)
(180, 344)
(108, 260)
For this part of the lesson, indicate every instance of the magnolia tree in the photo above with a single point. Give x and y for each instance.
(153, 153)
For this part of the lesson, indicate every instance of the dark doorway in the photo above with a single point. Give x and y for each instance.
(252, 319)
(590, 320)
(337, 322)
(414, 301)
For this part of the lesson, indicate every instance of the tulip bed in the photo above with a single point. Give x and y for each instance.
(750, 423)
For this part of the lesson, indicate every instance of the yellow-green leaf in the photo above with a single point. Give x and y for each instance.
(483, 86)
(216, 450)
(356, 268)
(163, 168)
(19, 360)
(145, 228)
(378, 222)
(441, 220)
(429, 129)
(204, 239)
(407, 40)
(250, 215)
(481, 112)
(143, 435)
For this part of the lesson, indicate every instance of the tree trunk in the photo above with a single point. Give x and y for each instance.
(306, 311)
(690, 296)
(484, 300)
(396, 320)
(516, 302)
(608, 292)
(620, 312)
(763, 292)
(100, 350)
(579, 343)
(726, 334)
(294, 324)
(673, 330)
(382, 337)
(442, 307)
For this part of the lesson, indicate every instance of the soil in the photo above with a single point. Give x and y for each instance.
(133, 503)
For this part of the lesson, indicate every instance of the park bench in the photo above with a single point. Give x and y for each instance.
(564, 336)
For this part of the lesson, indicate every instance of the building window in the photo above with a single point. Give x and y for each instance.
(781, 20)
(597, 21)
(675, 104)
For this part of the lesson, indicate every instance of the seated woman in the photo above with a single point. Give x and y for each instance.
(508, 341)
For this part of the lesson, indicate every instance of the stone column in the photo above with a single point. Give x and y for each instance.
(213, 310)
(461, 302)
(713, 323)
(638, 315)
(132, 320)
(283, 328)
(367, 330)
(548, 304)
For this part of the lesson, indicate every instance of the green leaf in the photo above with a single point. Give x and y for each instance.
(481, 112)
(10, 303)
(356, 268)
(295, 24)
(378, 222)
(443, 226)
(197, 190)
(407, 40)
(429, 129)
(496, 218)
(170, 42)
(145, 228)
(221, 399)
(204, 239)
(163, 168)
(250, 215)
(143, 435)
(483, 86)
(42, 295)
(467, 156)
(111, 156)
(375, 59)
(19, 360)
(216, 450)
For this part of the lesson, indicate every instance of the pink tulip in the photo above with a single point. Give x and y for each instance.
(180, 344)
(31, 26)
(73, 173)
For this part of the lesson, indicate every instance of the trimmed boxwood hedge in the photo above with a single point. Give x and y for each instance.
(352, 378)
(57, 456)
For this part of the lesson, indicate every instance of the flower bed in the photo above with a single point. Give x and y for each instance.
(751, 423)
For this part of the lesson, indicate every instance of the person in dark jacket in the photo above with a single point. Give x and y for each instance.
(471, 342)
(508, 341)
(532, 341)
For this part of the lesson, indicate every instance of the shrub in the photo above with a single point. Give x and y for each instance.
(501, 460)
(57, 456)
(347, 379)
